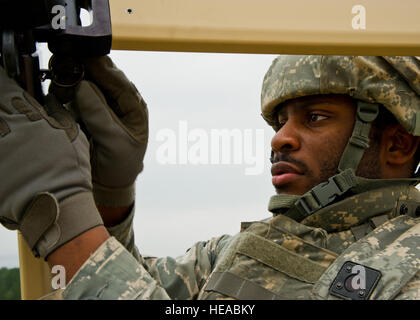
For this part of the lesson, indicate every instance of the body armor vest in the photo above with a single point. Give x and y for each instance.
(280, 258)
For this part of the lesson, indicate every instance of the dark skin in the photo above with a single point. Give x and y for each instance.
(113, 216)
(314, 132)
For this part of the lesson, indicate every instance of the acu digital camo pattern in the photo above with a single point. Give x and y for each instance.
(295, 261)
(393, 249)
(393, 82)
(118, 271)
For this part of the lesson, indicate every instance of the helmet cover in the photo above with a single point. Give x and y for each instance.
(393, 82)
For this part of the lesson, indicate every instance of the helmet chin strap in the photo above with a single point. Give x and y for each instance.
(359, 141)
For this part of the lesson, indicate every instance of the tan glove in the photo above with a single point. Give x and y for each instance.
(45, 189)
(116, 117)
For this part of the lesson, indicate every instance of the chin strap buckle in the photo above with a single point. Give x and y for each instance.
(325, 193)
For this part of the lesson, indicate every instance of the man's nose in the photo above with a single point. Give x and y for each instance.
(286, 139)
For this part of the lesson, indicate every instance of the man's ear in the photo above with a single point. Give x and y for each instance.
(398, 146)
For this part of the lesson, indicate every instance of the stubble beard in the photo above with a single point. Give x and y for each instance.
(368, 167)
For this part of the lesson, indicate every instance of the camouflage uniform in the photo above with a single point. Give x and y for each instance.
(293, 255)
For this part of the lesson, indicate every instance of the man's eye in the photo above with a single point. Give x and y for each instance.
(314, 117)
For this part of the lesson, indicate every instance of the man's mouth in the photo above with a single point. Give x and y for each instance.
(284, 172)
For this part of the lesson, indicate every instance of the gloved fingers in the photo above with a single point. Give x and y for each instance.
(103, 72)
(15, 100)
(4, 128)
(121, 94)
(60, 118)
(10, 93)
(6, 81)
(100, 120)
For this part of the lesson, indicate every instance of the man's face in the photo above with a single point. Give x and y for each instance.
(314, 132)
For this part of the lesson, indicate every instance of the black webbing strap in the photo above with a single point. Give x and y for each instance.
(236, 287)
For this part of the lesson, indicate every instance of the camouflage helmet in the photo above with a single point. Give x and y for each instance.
(393, 82)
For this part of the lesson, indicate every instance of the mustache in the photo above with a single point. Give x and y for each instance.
(286, 157)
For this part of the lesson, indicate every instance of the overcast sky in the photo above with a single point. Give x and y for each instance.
(180, 204)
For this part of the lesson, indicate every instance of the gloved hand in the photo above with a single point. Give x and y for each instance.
(45, 189)
(116, 117)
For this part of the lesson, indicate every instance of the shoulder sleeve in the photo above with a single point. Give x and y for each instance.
(112, 272)
(184, 276)
(411, 291)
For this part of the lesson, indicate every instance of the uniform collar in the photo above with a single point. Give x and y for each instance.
(368, 199)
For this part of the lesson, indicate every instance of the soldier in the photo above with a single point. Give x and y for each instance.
(345, 217)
